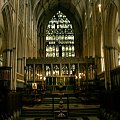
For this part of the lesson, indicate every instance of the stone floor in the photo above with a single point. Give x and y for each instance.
(73, 107)
(74, 118)
(49, 107)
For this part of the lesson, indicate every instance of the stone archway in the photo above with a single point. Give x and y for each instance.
(72, 14)
(109, 42)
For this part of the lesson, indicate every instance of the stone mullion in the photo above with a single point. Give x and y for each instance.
(44, 41)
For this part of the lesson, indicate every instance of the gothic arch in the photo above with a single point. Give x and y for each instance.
(8, 36)
(7, 19)
(42, 24)
(110, 45)
(2, 37)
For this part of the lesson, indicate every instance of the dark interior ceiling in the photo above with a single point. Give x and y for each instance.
(45, 9)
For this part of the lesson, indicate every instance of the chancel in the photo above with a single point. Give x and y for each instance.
(59, 59)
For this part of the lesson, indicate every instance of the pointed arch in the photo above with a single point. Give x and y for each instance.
(60, 37)
(7, 19)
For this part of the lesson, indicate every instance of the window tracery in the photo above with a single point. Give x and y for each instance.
(60, 37)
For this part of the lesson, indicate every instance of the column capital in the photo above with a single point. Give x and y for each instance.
(109, 47)
(6, 50)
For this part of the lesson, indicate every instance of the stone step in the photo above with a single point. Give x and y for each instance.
(84, 112)
(56, 100)
(45, 109)
(36, 113)
(72, 112)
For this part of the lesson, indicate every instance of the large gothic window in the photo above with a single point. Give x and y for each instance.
(60, 37)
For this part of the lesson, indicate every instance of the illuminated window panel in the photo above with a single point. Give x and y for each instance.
(60, 37)
(47, 70)
(56, 70)
(63, 54)
(73, 69)
(38, 72)
(65, 69)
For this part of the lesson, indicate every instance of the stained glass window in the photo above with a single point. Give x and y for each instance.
(60, 37)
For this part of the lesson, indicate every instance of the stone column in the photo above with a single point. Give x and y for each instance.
(94, 49)
(112, 57)
(12, 71)
(19, 65)
(15, 43)
(85, 46)
(106, 49)
(88, 38)
(116, 57)
(119, 12)
(4, 54)
(23, 64)
(28, 73)
(98, 49)
(107, 67)
(25, 31)
(8, 57)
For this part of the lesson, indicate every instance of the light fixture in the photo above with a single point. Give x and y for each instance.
(99, 6)
(44, 78)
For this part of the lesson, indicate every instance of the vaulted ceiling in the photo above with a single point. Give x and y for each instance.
(45, 9)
